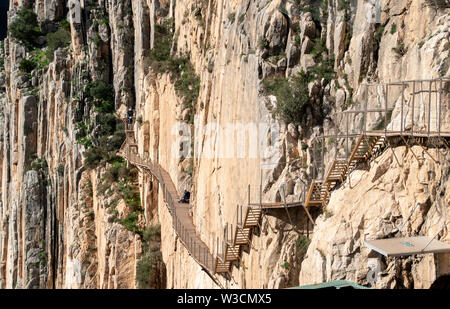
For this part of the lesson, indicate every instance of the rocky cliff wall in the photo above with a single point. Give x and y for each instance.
(197, 75)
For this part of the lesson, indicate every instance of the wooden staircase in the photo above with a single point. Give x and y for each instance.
(181, 220)
(365, 148)
(237, 237)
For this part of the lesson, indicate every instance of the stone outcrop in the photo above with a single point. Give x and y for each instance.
(374, 204)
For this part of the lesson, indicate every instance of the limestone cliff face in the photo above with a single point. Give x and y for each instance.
(57, 228)
(374, 204)
(194, 73)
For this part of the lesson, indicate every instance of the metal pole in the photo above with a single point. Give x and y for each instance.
(365, 111)
(429, 109)
(307, 228)
(440, 106)
(413, 107)
(242, 221)
(260, 189)
(322, 150)
(403, 102)
(231, 234)
(407, 219)
(347, 138)
(434, 237)
(385, 110)
(226, 232)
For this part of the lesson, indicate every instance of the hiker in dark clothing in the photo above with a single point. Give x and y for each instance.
(186, 197)
(130, 116)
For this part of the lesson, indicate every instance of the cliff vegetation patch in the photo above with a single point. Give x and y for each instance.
(150, 271)
(187, 82)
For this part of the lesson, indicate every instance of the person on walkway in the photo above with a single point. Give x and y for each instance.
(130, 116)
(186, 197)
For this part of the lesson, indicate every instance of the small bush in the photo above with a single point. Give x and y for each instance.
(126, 188)
(283, 9)
(150, 268)
(400, 49)
(319, 48)
(65, 25)
(188, 85)
(93, 157)
(160, 53)
(303, 243)
(393, 28)
(152, 233)
(263, 43)
(40, 58)
(292, 97)
(241, 18)
(27, 65)
(39, 165)
(131, 196)
(25, 28)
(324, 69)
(231, 17)
(103, 95)
(55, 40)
(378, 34)
(130, 223)
(61, 169)
(343, 5)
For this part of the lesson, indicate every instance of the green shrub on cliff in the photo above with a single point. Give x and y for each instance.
(25, 27)
(55, 40)
(292, 96)
(160, 53)
(187, 82)
(130, 223)
(150, 267)
(27, 66)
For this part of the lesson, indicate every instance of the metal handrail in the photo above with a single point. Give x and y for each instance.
(199, 252)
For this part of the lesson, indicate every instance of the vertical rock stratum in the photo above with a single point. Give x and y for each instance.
(224, 94)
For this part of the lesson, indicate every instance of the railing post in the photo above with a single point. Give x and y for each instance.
(429, 108)
(440, 106)
(226, 232)
(365, 109)
(242, 218)
(322, 149)
(386, 109)
(347, 137)
(413, 107)
(403, 102)
(231, 234)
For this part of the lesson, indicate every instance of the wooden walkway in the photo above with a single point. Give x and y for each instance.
(368, 146)
(234, 237)
(427, 99)
(219, 260)
(182, 221)
(240, 235)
